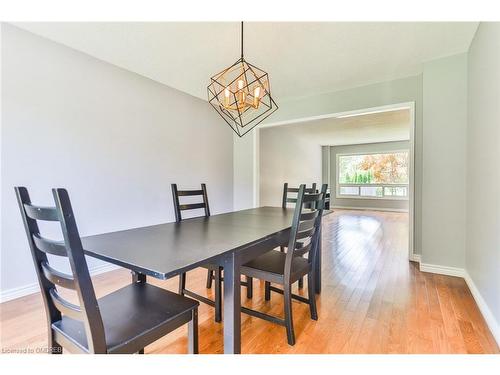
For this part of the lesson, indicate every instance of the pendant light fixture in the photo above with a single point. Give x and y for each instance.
(241, 95)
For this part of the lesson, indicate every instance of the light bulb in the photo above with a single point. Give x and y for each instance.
(256, 96)
(256, 92)
(227, 93)
(241, 93)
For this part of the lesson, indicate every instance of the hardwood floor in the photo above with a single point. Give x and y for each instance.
(373, 301)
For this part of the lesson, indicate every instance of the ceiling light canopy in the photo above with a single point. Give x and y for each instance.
(241, 95)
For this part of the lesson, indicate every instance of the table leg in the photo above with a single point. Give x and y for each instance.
(317, 266)
(138, 277)
(232, 305)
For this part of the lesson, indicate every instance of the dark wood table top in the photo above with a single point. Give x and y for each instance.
(165, 250)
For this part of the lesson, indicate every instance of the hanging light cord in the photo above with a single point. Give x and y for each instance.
(241, 39)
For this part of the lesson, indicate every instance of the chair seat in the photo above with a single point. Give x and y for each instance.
(271, 267)
(133, 317)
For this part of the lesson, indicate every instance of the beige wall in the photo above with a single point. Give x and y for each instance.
(114, 139)
(482, 257)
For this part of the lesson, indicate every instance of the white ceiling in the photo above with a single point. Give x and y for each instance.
(369, 128)
(302, 58)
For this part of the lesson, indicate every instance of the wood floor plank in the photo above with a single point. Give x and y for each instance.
(373, 301)
(470, 337)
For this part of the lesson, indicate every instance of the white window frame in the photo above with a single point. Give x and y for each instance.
(384, 197)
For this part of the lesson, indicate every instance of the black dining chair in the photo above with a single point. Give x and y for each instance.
(214, 271)
(290, 193)
(286, 268)
(124, 321)
(290, 196)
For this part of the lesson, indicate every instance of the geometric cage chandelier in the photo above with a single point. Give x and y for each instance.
(241, 95)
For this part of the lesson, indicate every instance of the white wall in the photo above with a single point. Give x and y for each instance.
(483, 173)
(245, 171)
(444, 161)
(114, 139)
(286, 156)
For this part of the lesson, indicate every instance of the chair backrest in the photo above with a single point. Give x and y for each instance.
(306, 225)
(49, 278)
(287, 190)
(176, 193)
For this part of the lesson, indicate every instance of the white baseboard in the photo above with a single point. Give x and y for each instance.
(442, 270)
(369, 209)
(105, 267)
(13, 293)
(488, 316)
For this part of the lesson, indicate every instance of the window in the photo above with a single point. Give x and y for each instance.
(381, 175)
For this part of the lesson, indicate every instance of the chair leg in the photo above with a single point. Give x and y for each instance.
(210, 276)
(249, 287)
(182, 283)
(267, 291)
(193, 333)
(218, 295)
(311, 294)
(288, 314)
(301, 283)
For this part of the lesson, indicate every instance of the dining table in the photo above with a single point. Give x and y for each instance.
(228, 239)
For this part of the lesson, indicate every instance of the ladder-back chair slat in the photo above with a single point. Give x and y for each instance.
(185, 193)
(66, 308)
(191, 206)
(50, 246)
(41, 213)
(57, 277)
